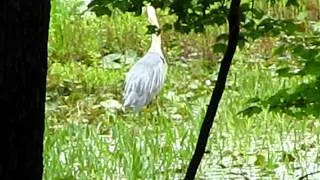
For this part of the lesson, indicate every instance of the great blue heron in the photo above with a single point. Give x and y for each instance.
(146, 78)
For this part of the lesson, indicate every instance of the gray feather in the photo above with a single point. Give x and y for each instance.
(144, 80)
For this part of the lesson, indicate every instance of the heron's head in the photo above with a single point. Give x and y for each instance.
(151, 12)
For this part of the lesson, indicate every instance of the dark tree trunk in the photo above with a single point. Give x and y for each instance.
(24, 28)
(234, 28)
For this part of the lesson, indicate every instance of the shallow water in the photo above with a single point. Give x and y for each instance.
(304, 161)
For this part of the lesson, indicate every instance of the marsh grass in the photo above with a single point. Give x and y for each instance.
(88, 136)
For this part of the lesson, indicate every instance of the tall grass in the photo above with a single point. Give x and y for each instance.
(88, 136)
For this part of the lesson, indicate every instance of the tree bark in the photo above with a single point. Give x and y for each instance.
(24, 26)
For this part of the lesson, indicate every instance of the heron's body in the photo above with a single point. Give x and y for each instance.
(146, 78)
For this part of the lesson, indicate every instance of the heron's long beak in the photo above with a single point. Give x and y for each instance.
(151, 12)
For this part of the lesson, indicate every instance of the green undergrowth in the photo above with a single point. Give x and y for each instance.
(89, 135)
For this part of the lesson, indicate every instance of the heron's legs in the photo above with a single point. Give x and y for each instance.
(154, 105)
(158, 105)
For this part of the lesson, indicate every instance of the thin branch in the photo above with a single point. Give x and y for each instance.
(234, 23)
(307, 175)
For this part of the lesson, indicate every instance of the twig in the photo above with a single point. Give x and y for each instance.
(307, 175)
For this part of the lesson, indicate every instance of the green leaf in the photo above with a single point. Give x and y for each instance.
(222, 37)
(167, 27)
(284, 72)
(241, 40)
(302, 15)
(290, 27)
(219, 19)
(253, 100)
(312, 68)
(299, 50)
(219, 47)
(260, 160)
(258, 14)
(100, 7)
(250, 111)
(287, 157)
(245, 7)
(292, 3)
(276, 99)
(279, 50)
(95, 3)
(249, 25)
(151, 29)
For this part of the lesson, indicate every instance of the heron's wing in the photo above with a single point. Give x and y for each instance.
(145, 79)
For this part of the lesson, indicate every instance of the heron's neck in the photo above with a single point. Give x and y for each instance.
(156, 44)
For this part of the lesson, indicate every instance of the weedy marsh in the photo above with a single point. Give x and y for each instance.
(88, 136)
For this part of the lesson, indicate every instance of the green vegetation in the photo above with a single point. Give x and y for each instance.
(88, 136)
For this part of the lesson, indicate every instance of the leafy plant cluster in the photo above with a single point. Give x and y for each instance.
(298, 46)
(297, 55)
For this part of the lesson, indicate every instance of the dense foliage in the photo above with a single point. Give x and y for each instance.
(298, 46)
